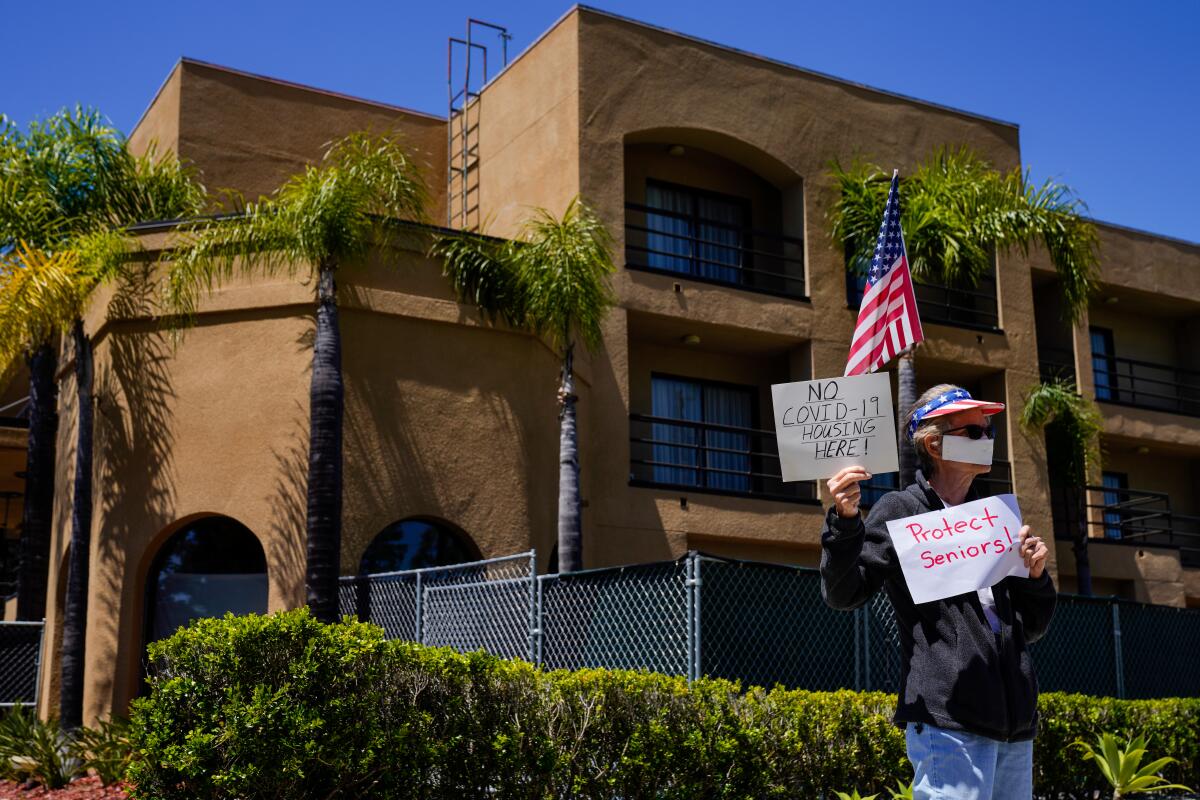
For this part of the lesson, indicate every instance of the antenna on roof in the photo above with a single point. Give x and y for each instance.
(462, 124)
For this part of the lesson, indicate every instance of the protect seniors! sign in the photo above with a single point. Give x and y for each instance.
(961, 549)
(825, 425)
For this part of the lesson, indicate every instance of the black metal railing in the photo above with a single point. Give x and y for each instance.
(706, 457)
(668, 242)
(1127, 516)
(962, 307)
(998, 481)
(1056, 363)
(1144, 384)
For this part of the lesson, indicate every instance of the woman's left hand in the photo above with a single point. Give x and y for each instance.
(1033, 552)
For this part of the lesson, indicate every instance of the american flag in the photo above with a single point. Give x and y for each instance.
(887, 319)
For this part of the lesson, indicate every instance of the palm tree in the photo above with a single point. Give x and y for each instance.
(957, 214)
(72, 187)
(553, 281)
(1072, 425)
(316, 222)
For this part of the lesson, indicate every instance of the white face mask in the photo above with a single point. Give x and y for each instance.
(967, 450)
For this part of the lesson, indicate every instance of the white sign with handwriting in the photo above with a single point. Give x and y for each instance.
(825, 425)
(959, 549)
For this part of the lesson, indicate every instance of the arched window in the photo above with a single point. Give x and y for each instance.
(416, 543)
(208, 567)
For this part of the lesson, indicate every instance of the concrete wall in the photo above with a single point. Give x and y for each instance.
(529, 133)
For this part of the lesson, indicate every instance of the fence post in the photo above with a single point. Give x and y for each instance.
(1118, 659)
(541, 620)
(37, 687)
(866, 646)
(858, 681)
(699, 584)
(419, 633)
(534, 617)
(690, 614)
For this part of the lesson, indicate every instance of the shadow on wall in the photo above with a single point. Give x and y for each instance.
(428, 419)
(134, 442)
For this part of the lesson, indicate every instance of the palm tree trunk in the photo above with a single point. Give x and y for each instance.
(75, 613)
(326, 402)
(39, 483)
(570, 529)
(906, 399)
(1076, 501)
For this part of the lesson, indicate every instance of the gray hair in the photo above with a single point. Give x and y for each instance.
(928, 427)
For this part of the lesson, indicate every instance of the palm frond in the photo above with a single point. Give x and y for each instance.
(958, 212)
(40, 293)
(150, 188)
(385, 169)
(214, 250)
(564, 264)
(101, 256)
(481, 272)
(325, 215)
(1072, 424)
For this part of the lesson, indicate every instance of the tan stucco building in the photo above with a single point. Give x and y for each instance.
(453, 421)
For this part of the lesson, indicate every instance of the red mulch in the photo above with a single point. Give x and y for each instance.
(82, 789)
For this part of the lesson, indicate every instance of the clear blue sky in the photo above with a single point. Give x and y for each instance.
(1105, 92)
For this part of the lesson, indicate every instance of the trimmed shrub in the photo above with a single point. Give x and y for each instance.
(1171, 727)
(283, 706)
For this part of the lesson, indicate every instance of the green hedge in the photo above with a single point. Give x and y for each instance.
(283, 706)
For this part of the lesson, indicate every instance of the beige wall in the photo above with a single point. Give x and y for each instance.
(529, 134)
(1146, 574)
(249, 134)
(159, 126)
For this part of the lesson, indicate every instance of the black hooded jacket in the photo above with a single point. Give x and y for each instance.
(955, 672)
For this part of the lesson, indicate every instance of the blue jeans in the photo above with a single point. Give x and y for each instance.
(956, 765)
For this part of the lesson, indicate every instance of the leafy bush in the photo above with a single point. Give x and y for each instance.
(283, 706)
(1172, 724)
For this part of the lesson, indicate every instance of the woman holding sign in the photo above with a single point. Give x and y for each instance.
(968, 694)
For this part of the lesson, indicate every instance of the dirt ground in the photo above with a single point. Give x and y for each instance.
(82, 789)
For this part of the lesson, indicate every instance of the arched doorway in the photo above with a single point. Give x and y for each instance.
(416, 543)
(209, 566)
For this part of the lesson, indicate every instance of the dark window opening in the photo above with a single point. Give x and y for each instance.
(415, 544)
(211, 566)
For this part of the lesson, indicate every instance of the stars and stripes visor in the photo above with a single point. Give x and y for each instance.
(948, 403)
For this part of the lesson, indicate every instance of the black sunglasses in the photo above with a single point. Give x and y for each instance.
(975, 431)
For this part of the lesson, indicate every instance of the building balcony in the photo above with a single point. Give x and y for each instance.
(710, 458)
(975, 308)
(1144, 384)
(711, 251)
(1128, 516)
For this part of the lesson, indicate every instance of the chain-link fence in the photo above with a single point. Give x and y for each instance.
(758, 623)
(20, 662)
(485, 605)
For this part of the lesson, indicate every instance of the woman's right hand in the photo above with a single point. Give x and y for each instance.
(846, 493)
